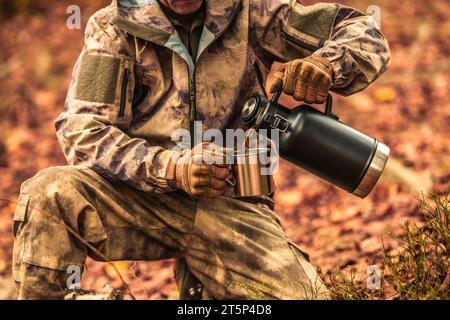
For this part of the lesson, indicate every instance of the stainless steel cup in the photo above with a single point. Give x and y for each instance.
(251, 176)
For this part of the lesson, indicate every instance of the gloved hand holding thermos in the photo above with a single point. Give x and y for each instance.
(307, 80)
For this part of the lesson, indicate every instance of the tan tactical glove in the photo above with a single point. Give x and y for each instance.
(307, 80)
(200, 172)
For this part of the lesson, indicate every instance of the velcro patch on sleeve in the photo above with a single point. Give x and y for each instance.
(315, 20)
(97, 79)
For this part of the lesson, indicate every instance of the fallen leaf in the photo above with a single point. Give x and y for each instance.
(371, 245)
(289, 198)
(362, 102)
(121, 266)
(385, 94)
(341, 214)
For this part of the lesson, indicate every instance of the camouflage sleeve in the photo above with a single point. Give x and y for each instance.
(91, 129)
(349, 39)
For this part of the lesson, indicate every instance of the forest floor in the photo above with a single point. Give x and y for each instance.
(408, 109)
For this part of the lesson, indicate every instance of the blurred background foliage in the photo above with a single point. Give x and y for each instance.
(11, 8)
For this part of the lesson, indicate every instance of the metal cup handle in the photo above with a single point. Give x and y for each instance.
(231, 181)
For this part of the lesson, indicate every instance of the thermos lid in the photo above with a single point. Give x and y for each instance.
(250, 110)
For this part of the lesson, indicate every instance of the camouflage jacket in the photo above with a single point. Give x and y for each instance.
(135, 83)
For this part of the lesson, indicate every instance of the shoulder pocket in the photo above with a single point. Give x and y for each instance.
(306, 28)
(108, 80)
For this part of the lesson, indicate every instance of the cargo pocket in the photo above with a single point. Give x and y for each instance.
(108, 80)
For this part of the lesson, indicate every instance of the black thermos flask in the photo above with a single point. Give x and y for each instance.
(321, 144)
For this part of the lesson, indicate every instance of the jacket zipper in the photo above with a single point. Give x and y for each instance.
(192, 108)
(123, 95)
(192, 87)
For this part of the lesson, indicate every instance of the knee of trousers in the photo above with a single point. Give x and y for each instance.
(284, 274)
(49, 206)
(53, 182)
(54, 196)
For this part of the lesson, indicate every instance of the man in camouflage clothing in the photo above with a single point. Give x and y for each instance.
(143, 73)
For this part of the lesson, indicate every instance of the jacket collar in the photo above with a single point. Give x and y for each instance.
(145, 18)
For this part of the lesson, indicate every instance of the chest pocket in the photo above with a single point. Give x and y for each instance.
(140, 93)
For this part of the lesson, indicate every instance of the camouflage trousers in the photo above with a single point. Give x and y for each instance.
(235, 248)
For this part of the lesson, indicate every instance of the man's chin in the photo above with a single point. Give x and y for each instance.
(186, 6)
